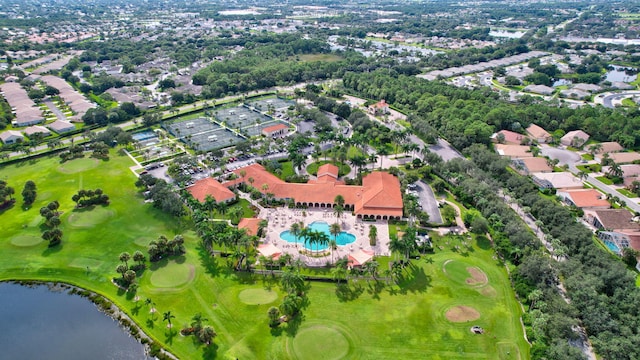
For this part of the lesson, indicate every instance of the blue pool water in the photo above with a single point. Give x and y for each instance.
(143, 135)
(612, 246)
(344, 238)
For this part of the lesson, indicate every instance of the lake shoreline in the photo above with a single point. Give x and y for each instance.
(107, 307)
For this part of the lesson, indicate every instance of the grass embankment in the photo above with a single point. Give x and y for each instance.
(363, 319)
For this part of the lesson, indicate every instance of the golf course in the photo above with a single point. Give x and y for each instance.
(428, 314)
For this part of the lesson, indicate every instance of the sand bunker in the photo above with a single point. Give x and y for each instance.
(478, 277)
(462, 314)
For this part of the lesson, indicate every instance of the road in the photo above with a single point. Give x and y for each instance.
(571, 158)
(610, 100)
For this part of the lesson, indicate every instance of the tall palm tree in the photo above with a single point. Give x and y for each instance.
(206, 335)
(167, 316)
(292, 282)
(125, 257)
(209, 204)
(382, 152)
(295, 229)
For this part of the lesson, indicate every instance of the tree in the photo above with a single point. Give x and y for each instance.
(139, 257)
(373, 235)
(292, 281)
(129, 277)
(206, 335)
(167, 316)
(209, 204)
(29, 193)
(125, 257)
(274, 316)
(121, 269)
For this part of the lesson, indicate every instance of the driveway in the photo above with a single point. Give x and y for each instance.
(428, 202)
(444, 149)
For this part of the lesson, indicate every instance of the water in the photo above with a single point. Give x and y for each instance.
(146, 135)
(344, 238)
(37, 323)
(561, 82)
(618, 74)
(612, 246)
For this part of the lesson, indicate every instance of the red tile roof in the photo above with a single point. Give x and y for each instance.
(251, 224)
(209, 186)
(274, 128)
(587, 198)
(510, 137)
(378, 195)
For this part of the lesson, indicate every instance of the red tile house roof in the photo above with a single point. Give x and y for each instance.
(251, 224)
(274, 128)
(379, 195)
(209, 186)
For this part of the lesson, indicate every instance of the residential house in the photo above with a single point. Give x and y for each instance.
(606, 148)
(37, 129)
(556, 180)
(513, 151)
(584, 198)
(530, 165)
(591, 88)
(60, 126)
(508, 137)
(379, 108)
(618, 228)
(538, 134)
(11, 137)
(539, 89)
(624, 157)
(575, 138)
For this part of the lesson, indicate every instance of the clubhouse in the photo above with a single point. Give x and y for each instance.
(378, 197)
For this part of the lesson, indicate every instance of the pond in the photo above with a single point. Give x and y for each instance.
(38, 323)
(620, 73)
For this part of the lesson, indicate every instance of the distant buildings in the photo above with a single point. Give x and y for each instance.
(25, 110)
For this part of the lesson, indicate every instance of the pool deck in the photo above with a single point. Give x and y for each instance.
(281, 219)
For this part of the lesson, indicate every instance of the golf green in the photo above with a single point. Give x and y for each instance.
(26, 240)
(90, 217)
(463, 273)
(173, 275)
(78, 165)
(257, 296)
(320, 342)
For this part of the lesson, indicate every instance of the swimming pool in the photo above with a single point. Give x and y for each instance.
(344, 238)
(146, 135)
(612, 246)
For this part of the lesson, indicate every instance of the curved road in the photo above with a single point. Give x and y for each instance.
(608, 99)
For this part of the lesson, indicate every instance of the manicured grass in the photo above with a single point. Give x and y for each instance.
(605, 180)
(364, 319)
(287, 170)
(627, 193)
(343, 168)
(587, 157)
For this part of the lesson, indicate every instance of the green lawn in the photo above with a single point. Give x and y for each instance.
(605, 180)
(364, 320)
(627, 193)
(343, 168)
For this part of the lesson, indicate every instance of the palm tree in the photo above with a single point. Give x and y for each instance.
(373, 159)
(209, 204)
(594, 149)
(295, 230)
(121, 269)
(371, 267)
(292, 282)
(335, 230)
(615, 171)
(381, 154)
(167, 316)
(206, 335)
(340, 270)
(322, 239)
(396, 246)
(139, 257)
(373, 235)
(222, 208)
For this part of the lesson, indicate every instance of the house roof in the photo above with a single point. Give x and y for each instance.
(274, 128)
(379, 194)
(616, 219)
(36, 129)
(534, 164)
(576, 133)
(10, 134)
(624, 157)
(209, 186)
(381, 104)
(510, 137)
(539, 89)
(327, 173)
(559, 180)
(537, 132)
(628, 170)
(269, 250)
(586, 198)
(609, 147)
(61, 126)
(513, 151)
(360, 257)
(251, 224)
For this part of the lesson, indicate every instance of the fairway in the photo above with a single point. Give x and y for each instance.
(257, 296)
(78, 165)
(90, 217)
(364, 319)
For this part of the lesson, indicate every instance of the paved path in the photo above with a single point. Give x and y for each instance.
(55, 110)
